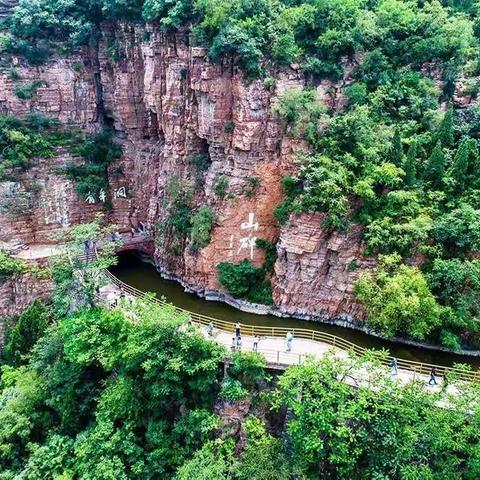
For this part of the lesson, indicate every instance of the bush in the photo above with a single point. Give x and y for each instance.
(239, 279)
(29, 90)
(244, 280)
(98, 152)
(270, 250)
(10, 265)
(202, 223)
(253, 183)
(13, 74)
(398, 300)
(229, 127)
(248, 367)
(292, 189)
(262, 293)
(221, 187)
(233, 390)
(299, 109)
(21, 141)
(26, 330)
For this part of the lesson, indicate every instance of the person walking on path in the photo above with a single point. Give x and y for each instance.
(433, 377)
(210, 329)
(394, 366)
(239, 343)
(234, 343)
(237, 330)
(289, 341)
(255, 343)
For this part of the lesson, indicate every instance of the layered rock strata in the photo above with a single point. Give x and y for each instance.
(168, 103)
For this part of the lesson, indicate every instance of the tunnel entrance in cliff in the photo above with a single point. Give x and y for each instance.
(131, 258)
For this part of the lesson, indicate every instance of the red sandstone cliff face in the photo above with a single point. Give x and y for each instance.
(318, 268)
(17, 292)
(167, 103)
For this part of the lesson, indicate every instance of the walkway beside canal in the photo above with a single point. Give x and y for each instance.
(306, 343)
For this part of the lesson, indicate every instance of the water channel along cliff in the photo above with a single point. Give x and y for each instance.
(194, 134)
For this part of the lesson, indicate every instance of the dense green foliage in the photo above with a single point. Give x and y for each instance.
(25, 331)
(102, 398)
(39, 136)
(399, 301)
(77, 271)
(315, 33)
(136, 392)
(379, 430)
(176, 222)
(245, 280)
(202, 224)
(10, 265)
(22, 141)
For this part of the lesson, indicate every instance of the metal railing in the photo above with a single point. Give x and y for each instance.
(417, 368)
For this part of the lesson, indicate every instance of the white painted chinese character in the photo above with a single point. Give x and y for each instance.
(230, 245)
(102, 195)
(247, 242)
(90, 198)
(120, 193)
(250, 223)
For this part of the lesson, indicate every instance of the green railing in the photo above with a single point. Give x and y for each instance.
(418, 368)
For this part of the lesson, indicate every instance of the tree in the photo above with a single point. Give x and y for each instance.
(379, 429)
(410, 166)
(458, 231)
(88, 249)
(435, 167)
(460, 163)
(239, 278)
(27, 329)
(396, 156)
(398, 300)
(444, 133)
(202, 223)
(213, 462)
(264, 455)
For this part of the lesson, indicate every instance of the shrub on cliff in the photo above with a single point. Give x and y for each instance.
(23, 140)
(91, 177)
(202, 224)
(239, 279)
(244, 280)
(10, 265)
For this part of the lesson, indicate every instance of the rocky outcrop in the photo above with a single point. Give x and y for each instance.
(168, 103)
(317, 268)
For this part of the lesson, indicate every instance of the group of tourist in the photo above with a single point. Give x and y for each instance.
(237, 339)
(433, 372)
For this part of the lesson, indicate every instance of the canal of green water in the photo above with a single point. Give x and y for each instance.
(144, 276)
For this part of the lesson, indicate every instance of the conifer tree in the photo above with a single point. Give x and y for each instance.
(444, 133)
(435, 166)
(396, 149)
(410, 166)
(460, 163)
(475, 164)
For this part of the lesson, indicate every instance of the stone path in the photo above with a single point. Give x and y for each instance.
(274, 349)
(39, 251)
(275, 352)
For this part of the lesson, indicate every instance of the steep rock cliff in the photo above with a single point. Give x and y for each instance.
(167, 103)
